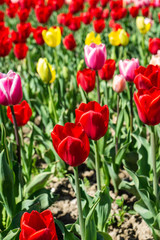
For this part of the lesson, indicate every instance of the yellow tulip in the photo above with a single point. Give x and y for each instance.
(90, 38)
(52, 37)
(114, 38)
(46, 72)
(142, 26)
(124, 39)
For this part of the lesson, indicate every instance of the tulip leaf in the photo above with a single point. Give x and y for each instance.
(103, 236)
(7, 182)
(122, 151)
(119, 123)
(66, 234)
(12, 234)
(103, 208)
(37, 183)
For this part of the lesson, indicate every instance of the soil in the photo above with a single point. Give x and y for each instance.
(130, 227)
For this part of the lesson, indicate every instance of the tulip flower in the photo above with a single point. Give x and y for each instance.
(127, 68)
(10, 88)
(38, 226)
(86, 79)
(143, 24)
(71, 143)
(147, 78)
(154, 45)
(20, 50)
(99, 25)
(52, 37)
(37, 34)
(119, 83)
(91, 38)
(107, 71)
(95, 55)
(86, 17)
(155, 60)
(119, 37)
(93, 118)
(46, 72)
(22, 113)
(69, 42)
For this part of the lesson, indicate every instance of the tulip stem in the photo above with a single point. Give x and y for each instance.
(98, 89)
(97, 161)
(153, 148)
(53, 109)
(116, 145)
(131, 106)
(78, 195)
(16, 135)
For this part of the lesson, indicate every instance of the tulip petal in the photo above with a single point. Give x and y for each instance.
(140, 108)
(154, 111)
(142, 82)
(36, 221)
(43, 234)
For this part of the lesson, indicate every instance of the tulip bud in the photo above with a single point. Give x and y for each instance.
(65, 72)
(124, 39)
(119, 83)
(52, 37)
(143, 24)
(95, 55)
(45, 71)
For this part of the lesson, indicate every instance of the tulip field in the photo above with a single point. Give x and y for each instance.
(79, 119)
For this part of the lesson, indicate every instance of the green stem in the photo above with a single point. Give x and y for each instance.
(153, 152)
(97, 161)
(98, 89)
(131, 105)
(16, 135)
(78, 195)
(116, 145)
(53, 109)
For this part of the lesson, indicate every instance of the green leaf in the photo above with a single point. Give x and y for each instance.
(37, 183)
(122, 151)
(103, 208)
(119, 123)
(103, 236)
(66, 235)
(12, 233)
(7, 185)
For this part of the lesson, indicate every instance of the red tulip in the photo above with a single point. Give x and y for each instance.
(5, 46)
(12, 10)
(24, 30)
(37, 34)
(93, 3)
(108, 69)
(114, 25)
(56, 4)
(97, 12)
(115, 4)
(25, 3)
(86, 17)
(75, 6)
(104, 3)
(75, 23)
(159, 16)
(93, 118)
(118, 13)
(22, 112)
(38, 226)
(154, 45)
(145, 11)
(86, 79)
(99, 25)
(105, 14)
(64, 18)
(134, 11)
(69, 42)
(43, 13)
(1, 16)
(71, 143)
(20, 50)
(2, 2)
(148, 105)
(23, 14)
(147, 78)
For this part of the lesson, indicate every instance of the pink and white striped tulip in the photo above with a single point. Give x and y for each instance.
(119, 83)
(127, 68)
(95, 55)
(10, 88)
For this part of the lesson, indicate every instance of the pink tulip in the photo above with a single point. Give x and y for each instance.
(119, 83)
(127, 68)
(10, 88)
(95, 55)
